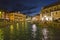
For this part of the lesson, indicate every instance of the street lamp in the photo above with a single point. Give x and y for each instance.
(45, 18)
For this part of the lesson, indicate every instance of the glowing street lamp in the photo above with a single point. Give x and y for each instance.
(0, 14)
(45, 18)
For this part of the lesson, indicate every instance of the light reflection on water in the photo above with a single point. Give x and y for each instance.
(34, 29)
(11, 28)
(1, 35)
(45, 33)
(26, 31)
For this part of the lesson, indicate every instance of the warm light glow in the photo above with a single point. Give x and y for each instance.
(50, 18)
(0, 12)
(34, 18)
(11, 17)
(17, 26)
(47, 18)
(11, 27)
(42, 19)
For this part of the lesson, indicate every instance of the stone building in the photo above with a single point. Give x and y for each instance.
(36, 18)
(16, 16)
(51, 12)
(12, 16)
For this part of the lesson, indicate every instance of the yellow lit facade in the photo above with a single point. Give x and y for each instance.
(1, 15)
(12, 16)
(50, 12)
(17, 16)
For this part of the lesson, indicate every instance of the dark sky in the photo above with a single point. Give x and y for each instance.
(29, 7)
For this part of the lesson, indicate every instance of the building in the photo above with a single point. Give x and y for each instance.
(12, 16)
(29, 18)
(17, 16)
(50, 12)
(1, 15)
(36, 18)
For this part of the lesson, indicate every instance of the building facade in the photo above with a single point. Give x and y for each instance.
(50, 12)
(16, 16)
(36, 18)
(13, 16)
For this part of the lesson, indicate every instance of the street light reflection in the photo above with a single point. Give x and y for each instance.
(17, 26)
(45, 34)
(11, 28)
(34, 29)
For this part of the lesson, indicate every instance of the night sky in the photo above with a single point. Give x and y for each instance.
(29, 7)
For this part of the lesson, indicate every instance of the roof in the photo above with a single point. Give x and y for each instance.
(52, 4)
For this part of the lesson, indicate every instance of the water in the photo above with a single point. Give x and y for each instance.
(45, 33)
(28, 31)
(34, 29)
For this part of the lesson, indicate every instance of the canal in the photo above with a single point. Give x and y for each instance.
(28, 31)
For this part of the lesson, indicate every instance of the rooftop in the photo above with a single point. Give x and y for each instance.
(52, 4)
